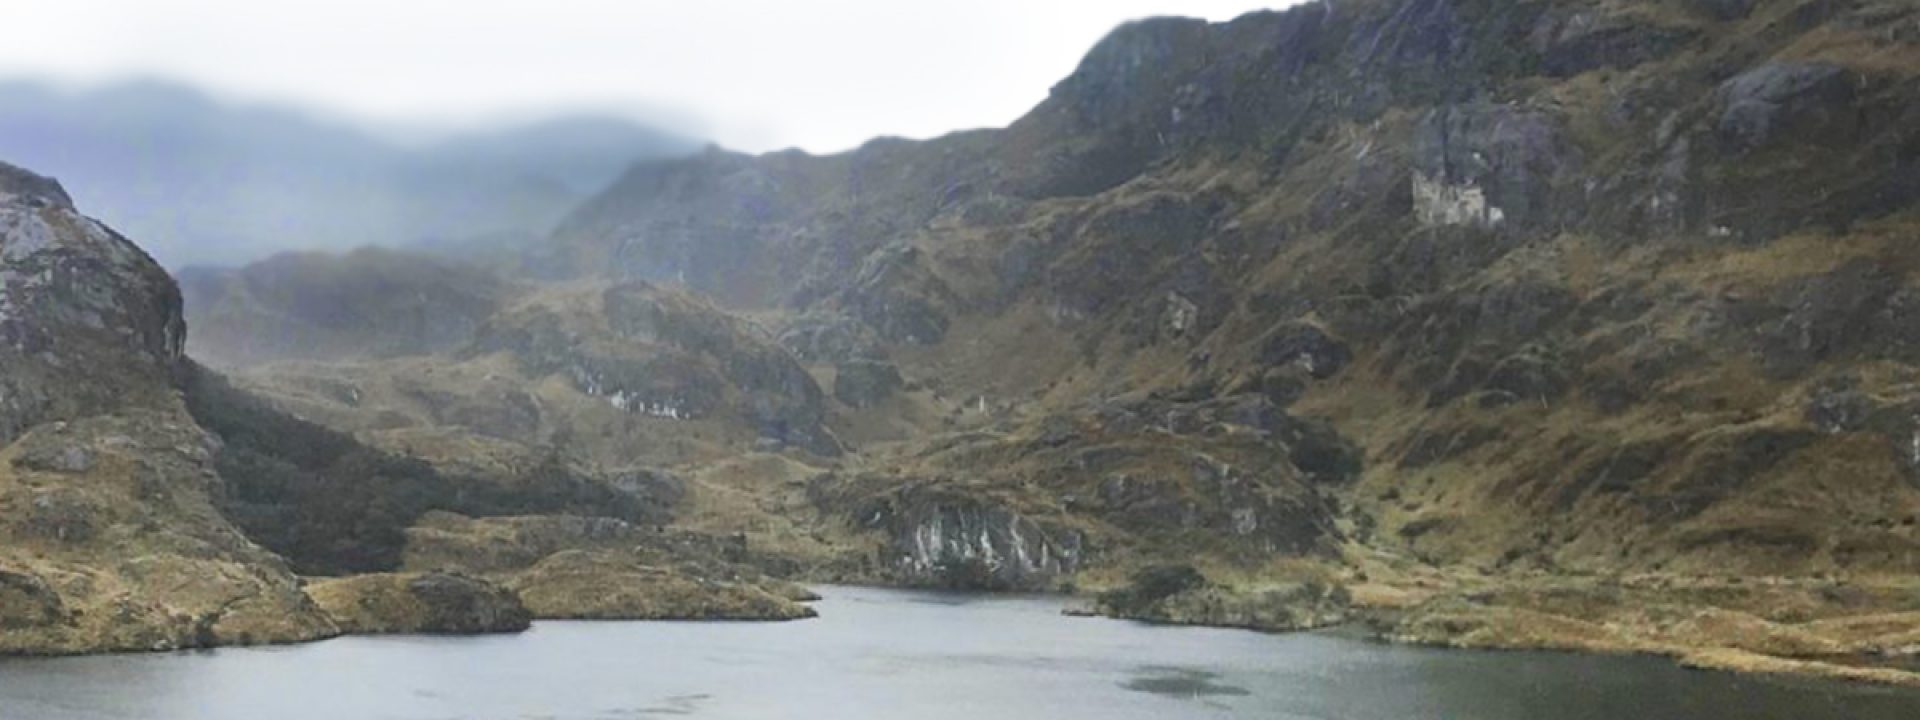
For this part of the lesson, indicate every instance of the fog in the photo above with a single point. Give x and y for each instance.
(752, 75)
(222, 131)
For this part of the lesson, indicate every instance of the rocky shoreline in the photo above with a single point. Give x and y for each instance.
(1857, 631)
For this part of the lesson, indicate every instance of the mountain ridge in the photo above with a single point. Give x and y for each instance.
(202, 182)
(1576, 324)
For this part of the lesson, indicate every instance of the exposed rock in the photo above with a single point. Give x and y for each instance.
(957, 542)
(109, 536)
(88, 322)
(1786, 99)
(435, 603)
(1486, 165)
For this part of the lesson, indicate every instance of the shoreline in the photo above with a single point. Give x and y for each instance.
(1364, 624)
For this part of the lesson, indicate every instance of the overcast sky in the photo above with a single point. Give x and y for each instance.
(752, 74)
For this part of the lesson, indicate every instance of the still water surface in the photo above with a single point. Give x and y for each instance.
(905, 656)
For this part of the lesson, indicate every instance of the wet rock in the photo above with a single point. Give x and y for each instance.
(865, 383)
(432, 603)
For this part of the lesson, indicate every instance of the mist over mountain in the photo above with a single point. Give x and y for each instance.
(1576, 325)
(201, 181)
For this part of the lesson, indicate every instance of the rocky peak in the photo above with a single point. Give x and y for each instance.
(88, 322)
(18, 186)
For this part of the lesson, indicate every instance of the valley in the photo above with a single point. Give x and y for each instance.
(1550, 325)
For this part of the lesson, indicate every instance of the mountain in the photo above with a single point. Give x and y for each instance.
(204, 182)
(1591, 286)
(1579, 324)
(112, 537)
(146, 503)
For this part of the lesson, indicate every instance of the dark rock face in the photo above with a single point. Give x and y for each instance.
(1786, 99)
(108, 486)
(865, 383)
(87, 321)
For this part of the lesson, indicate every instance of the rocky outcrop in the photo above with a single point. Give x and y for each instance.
(88, 323)
(109, 536)
(570, 567)
(956, 542)
(420, 603)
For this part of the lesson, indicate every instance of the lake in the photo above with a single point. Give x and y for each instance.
(904, 655)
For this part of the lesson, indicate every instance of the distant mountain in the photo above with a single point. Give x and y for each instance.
(202, 182)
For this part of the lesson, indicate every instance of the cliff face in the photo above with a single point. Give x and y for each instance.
(109, 536)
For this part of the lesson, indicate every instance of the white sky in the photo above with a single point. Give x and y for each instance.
(753, 74)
